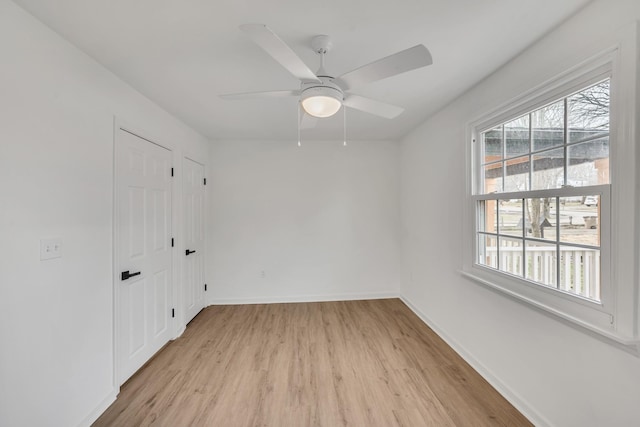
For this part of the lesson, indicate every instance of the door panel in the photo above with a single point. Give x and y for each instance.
(135, 223)
(160, 300)
(193, 193)
(144, 235)
(135, 295)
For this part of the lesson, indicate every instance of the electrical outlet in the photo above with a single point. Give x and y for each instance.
(263, 274)
(50, 248)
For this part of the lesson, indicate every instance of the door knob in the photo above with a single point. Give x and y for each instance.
(187, 252)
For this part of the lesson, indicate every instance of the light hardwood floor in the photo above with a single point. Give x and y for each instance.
(354, 363)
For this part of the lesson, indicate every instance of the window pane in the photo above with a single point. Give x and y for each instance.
(579, 220)
(580, 271)
(540, 217)
(589, 163)
(517, 136)
(553, 241)
(492, 145)
(517, 177)
(510, 213)
(511, 256)
(487, 251)
(548, 169)
(588, 112)
(547, 125)
(541, 263)
(487, 212)
(492, 178)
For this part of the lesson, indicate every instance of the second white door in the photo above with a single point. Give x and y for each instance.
(193, 280)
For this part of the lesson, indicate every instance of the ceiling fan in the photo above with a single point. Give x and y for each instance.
(321, 95)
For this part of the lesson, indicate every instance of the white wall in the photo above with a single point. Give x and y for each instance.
(321, 221)
(558, 374)
(57, 109)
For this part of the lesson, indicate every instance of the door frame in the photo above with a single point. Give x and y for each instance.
(121, 125)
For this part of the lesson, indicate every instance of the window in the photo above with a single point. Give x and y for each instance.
(551, 206)
(539, 193)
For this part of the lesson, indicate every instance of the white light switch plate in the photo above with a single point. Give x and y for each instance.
(50, 248)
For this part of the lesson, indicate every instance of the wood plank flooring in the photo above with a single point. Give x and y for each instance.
(353, 363)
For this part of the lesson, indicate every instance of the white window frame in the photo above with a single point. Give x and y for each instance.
(615, 316)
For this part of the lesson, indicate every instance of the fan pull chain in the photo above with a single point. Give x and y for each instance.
(299, 145)
(344, 122)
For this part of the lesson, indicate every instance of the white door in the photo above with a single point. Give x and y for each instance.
(144, 286)
(193, 192)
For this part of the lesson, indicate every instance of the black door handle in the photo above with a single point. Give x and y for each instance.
(187, 252)
(125, 274)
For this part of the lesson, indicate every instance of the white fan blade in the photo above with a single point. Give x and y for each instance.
(255, 95)
(274, 46)
(401, 62)
(371, 106)
(307, 121)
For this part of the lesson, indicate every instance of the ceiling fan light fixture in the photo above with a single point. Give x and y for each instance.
(321, 101)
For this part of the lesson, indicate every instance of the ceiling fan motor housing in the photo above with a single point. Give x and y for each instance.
(321, 99)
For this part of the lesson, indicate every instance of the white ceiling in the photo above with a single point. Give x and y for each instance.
(182, 54)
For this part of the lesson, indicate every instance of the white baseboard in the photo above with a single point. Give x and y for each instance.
(95, 414)
(516, 400)
(303, 298)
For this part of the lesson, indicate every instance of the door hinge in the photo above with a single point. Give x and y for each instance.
(171, 171)
(172, 242)
(205, 181)
(173, 312)
(205, 287)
